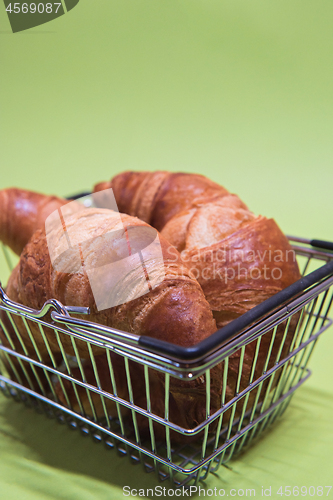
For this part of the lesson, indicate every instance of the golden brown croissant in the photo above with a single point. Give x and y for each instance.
(208, 225)
(239, 259)
(174, 306)
(21, 213)
(174, 310)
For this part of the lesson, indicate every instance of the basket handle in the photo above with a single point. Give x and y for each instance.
(327, 245)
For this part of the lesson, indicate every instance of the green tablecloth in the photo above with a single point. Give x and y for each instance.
(240, 91)
(41, 459)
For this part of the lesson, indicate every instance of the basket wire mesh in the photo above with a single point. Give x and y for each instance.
(75, 391)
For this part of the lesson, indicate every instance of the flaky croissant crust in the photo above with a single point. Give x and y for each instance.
(175, 310)
(238, 258)
(201, 219)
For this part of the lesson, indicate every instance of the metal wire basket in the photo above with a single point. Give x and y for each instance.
(75, 392)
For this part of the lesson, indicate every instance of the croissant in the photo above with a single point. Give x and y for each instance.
(223, 245)
(173, 309)
(22, 212)
(239, 259)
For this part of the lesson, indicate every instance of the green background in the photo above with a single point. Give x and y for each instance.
(240, 91)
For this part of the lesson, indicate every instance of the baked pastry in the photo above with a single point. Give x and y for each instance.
(222, 246)
(175, 306)
(173, 309)
(239, 259)
(22, 212)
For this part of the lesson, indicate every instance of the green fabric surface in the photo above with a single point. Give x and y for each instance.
(42, 459)
(240, 91)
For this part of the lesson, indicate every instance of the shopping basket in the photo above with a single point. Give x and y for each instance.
(181, 455)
